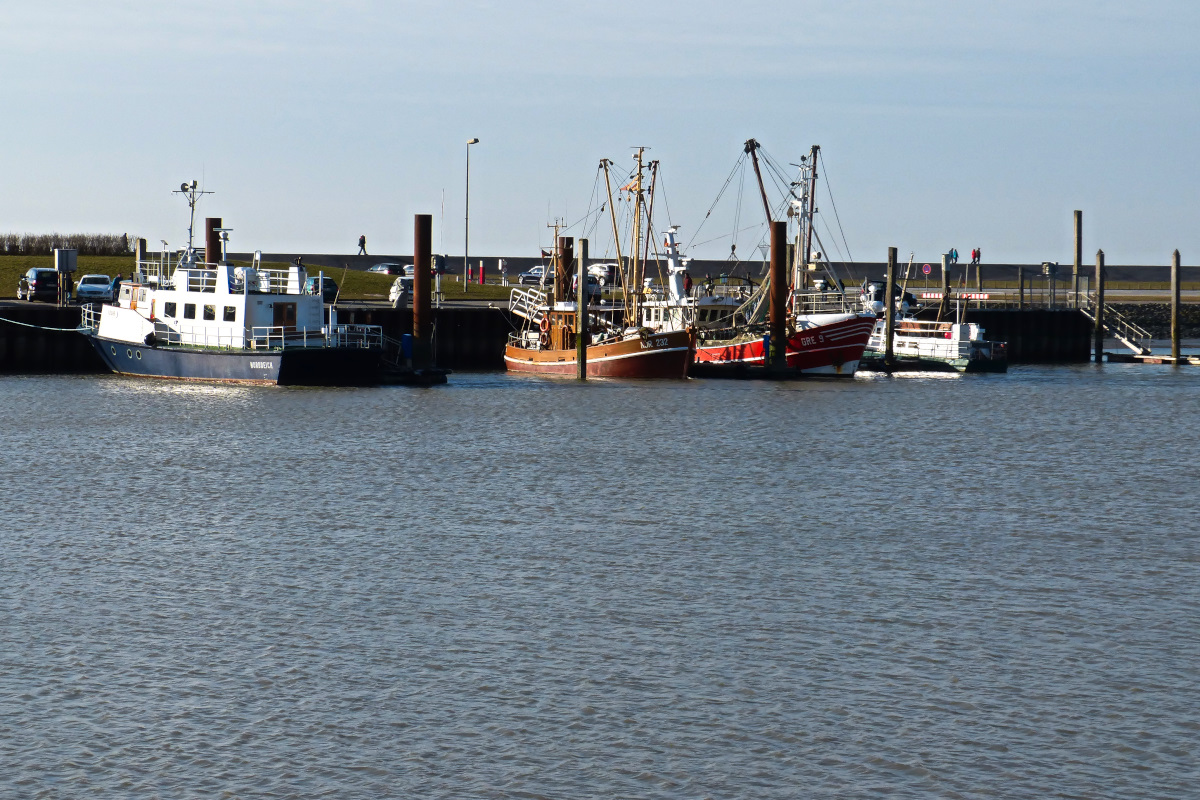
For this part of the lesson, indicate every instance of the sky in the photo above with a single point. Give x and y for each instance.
(942, 123)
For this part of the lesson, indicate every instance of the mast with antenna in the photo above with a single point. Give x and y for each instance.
(612, 210)
(635, 268)
(192, 195)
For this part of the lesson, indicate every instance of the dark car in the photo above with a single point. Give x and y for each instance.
(389, 268)
(38, 284)
(328, 290)
(532, 276)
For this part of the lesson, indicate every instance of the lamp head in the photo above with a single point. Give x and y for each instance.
(472, 141)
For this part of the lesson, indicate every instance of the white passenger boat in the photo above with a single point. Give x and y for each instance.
(193, 318)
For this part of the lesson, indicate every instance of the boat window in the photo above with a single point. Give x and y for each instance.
(210, 312)
(230, 313)
(168, 309)
(189, 310)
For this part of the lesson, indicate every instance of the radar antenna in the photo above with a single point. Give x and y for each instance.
(192, 195)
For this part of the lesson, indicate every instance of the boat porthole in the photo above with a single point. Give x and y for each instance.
(139, 355)
(128, 353)
(112, 349)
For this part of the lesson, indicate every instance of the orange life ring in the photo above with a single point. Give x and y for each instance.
(545, 324)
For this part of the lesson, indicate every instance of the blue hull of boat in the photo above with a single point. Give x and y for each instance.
(325, 366)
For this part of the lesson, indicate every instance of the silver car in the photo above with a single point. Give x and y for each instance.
(94, 289)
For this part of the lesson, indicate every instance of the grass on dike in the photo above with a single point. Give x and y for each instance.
(354, 284)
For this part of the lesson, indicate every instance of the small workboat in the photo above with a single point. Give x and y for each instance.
(930, 346)
(926, 345)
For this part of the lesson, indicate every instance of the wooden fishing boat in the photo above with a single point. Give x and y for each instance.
(614, 345)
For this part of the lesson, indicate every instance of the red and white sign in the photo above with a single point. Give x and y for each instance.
(963, 296)
(926, 269)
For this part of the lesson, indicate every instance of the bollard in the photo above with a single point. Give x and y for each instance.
(562, 276)
(1098, 341)
(889, 323)
(422, 316)
(779, 291)
(1175, 285)
(1079, 257)
(944, 305)
(582, 336)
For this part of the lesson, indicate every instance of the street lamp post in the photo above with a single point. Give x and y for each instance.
(467, 219)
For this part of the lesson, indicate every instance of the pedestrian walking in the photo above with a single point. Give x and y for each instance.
(953, 255)
(362, 245)
(978, 255)
(503, 272)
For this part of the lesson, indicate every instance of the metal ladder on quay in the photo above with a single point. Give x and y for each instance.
(1119, 326)
(527, 303)
(531, 305)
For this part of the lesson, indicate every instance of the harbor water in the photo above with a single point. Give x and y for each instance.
(941, 586)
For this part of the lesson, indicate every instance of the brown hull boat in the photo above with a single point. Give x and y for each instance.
(655, 355)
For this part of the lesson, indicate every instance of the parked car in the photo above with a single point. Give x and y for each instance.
(593, 287)
(94, 289)
(38, 284)
(604, 272)
(389, 269)
(534, 275)
(401, 290)
(328, 289)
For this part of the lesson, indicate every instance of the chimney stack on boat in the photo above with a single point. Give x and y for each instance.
(212, 240)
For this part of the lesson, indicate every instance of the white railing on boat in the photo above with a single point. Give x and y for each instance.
(89, 318)
(202, 277)
(348, 336)
(831, 301)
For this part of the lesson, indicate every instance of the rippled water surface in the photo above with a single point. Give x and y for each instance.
(514, 588)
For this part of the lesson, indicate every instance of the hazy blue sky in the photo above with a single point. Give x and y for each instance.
(943, 123)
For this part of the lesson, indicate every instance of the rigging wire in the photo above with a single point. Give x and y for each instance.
(829, 191)
(737, 213)
(739, 163)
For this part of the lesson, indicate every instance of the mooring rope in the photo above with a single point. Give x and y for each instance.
(38, 327)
